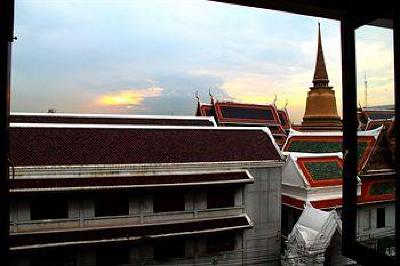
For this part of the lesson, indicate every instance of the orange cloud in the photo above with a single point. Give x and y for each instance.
(128, 97)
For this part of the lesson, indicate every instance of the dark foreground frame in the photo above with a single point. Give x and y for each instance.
(352, 14)
(351, 247)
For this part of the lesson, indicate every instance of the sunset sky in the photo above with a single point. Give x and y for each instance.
(149, 57)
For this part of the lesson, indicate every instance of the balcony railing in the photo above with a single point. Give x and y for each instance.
(111, 221)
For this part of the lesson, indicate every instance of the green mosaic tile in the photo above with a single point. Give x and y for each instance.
(383, 188)
(315, 146)
(323, 147)
(324, 170)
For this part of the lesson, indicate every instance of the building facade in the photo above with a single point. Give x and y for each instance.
(112, 194)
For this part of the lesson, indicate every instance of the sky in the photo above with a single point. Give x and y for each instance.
(150, 57)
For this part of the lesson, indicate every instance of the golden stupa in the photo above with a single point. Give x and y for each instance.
(321, 112)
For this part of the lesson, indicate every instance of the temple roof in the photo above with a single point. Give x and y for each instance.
(284, 119)
(248, 115)
(78, 144)
(320, 73)
(162, 120)
(331, 142)
(229, 112)
(312, 174)
(317, 178)
(380, 114)
(315, 170)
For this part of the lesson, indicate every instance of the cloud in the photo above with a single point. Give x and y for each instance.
(128, 97)
(162, 54)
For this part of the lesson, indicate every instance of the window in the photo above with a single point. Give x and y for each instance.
(380, 218)
(63, 257)
(220, 198)
(111, 205)
(164, 250)
(220, 242)
(285, 221)
(49, 208)
(168, 202)
(112, 255)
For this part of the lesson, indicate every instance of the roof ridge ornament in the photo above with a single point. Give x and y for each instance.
(211, 96)
(286, 104)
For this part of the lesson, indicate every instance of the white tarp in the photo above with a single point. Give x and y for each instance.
(310, 237)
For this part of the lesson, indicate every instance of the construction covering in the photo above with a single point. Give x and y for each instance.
(310, 237)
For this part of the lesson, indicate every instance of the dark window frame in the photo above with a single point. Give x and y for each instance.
(350, 246)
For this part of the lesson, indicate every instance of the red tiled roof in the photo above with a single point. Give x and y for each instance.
(322, 171)
(372, 191)
(67, 146)
(228, 112)
(373, 124)
(329, 144)
(126, 233)
(284, 119)
(108, 119)
(380, 114)
(319, 204)
(82, 183)
(205, 110)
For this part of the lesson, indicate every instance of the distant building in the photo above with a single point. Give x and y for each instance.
(107, 190)
(228, 114)
(313, 173)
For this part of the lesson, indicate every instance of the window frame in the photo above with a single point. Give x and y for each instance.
(351, 248)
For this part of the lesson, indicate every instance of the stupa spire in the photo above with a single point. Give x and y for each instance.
(321, 112)
(320, 74)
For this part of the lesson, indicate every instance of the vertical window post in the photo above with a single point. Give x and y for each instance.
(6, 38)
(396, 53)
(349, 212)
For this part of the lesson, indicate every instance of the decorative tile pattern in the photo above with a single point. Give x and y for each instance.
(382, 188)
(246, 113)
(324, 170)
(322, 147)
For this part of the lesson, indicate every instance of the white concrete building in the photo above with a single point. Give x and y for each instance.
(109, 194)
